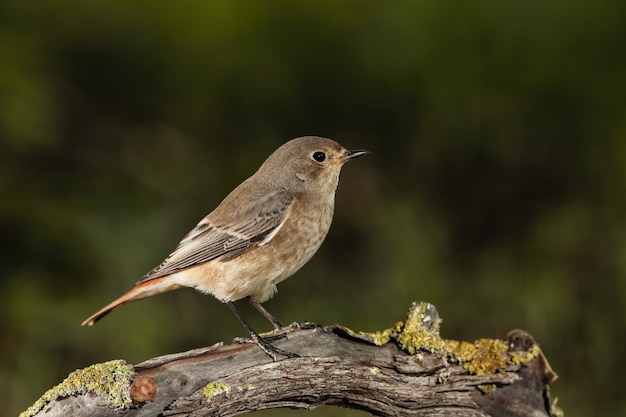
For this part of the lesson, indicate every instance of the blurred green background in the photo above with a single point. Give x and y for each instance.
(495, 188)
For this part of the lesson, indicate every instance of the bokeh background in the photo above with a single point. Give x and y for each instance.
(495, 188)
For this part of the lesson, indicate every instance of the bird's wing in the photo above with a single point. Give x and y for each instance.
(248, 224)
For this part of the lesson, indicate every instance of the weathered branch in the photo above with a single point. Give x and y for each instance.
(413, 372)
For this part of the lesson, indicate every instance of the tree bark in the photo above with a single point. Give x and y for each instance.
(336, 367)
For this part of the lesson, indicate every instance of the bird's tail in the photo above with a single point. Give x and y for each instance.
(145, 289)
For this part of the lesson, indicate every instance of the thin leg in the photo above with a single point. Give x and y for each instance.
(275, 322)
(265, 346)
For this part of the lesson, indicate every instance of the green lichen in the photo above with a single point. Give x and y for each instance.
(110, 380)
(382, 337)
(487, 388)
(555, 410)
(213, 389)
(374, 370)
(484, 356)
(420, 333)
(520, 358)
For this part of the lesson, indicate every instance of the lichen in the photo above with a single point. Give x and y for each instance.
(487, 388)
(420, 333)
(213, 389)
(374, 370)
(110, 380)
(381, 337)
(485, 356)
(520, 358)
(555, 410)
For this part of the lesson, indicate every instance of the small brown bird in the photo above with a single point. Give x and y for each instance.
(264, 231)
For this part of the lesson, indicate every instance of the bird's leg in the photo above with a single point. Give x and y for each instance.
(275, 322)
(265, 346)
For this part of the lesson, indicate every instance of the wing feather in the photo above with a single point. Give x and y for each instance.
(242, 228)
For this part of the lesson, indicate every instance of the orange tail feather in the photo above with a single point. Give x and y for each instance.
(143, 290)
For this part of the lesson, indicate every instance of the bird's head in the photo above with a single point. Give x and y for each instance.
(308, 164)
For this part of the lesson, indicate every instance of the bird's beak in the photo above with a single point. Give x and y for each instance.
(355, 154)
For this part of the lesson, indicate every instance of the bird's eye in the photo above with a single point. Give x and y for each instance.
(319, 156)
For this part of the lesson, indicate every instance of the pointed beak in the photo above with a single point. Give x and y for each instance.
(355, 154)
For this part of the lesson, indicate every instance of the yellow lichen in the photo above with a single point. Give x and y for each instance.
(520, 358)
(420, 332)
(555, 410)
(381, 338)
(110, 380)
(489, 356)
(487, 388)
(460, 350)
(213, 389)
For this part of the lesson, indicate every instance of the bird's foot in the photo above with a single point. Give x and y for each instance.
(279, 333)
(242, 340)
(302, 325)
(273, 352)
(269, 349)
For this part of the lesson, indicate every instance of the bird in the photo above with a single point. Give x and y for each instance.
(263, 232)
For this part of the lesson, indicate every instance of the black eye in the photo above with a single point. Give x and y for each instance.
(319, 156)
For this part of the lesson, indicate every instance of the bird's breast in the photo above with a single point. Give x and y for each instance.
(301, 235)
(256, 271)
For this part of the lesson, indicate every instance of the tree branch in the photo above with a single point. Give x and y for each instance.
(407, 370)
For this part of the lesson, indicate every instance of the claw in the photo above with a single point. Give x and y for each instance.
(270, 350)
